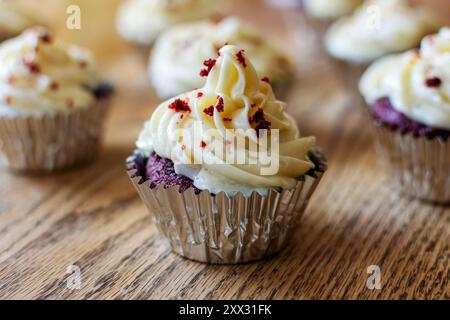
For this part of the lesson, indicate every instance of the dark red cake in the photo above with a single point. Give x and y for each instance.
(161, 171)
(384, 113)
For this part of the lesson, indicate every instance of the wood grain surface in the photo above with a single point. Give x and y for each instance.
(93, 218)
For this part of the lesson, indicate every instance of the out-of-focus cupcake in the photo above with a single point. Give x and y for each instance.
(14, 19)
(212, 195)
(141, 21)
(52, 103)
(321, 13)
(286, 3)
(179, 54)
(408, 99)
(377, 28)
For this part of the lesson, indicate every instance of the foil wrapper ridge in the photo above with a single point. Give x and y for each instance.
(419, 167)
(43, 144)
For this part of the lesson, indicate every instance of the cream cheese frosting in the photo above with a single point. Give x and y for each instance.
(13, 18)
(330, 9)
(141, 21)
(233, 98)
(42, 75)
(377, 28)
(417, 82)
(178, 54)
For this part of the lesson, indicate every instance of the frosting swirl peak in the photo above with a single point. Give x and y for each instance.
(233, 103)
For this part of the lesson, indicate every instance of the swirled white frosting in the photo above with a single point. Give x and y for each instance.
(14, 19)
(377, 28)
(141, 21)
(40, 75)
(417, 82)
(330, 9)
(233, 81)
(178, 54)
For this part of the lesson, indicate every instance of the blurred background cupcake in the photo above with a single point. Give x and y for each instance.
(52, 103)
(141, 21)
(192, 189)
(377, 28)
(179, 54)
(408, 97)
(14, 18)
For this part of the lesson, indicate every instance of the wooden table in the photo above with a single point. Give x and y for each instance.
(92, 217)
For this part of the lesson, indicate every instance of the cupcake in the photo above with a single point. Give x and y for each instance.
(141, 21)
(202, 169)
(13, 19)
(377, 28)
(408, 100)
(178, 55)
(52, 103)
(321, 13)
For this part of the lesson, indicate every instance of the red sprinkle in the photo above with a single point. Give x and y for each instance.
(260, 121)
(203, 144)
(70, 103)
(209, 111)
(180, 106)
(219, 105)
(46, 38)
(227, 119)
(54, 86)
(32, 67)
(241, 58)
(266, 80)
(199, 94)
(210, 63)
(253, 105)
(83, 64)
(433, 82)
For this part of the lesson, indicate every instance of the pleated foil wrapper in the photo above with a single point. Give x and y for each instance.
(219, 229)
(43, 144)
(418, 167)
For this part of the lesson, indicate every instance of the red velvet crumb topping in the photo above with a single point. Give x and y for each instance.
(220, 104)
(199, 94)
(266, 80)
(209, 111)
(32, 66)
(241, 58)
(203, 144)
(433, 82)
(180, 106)
(209, 64)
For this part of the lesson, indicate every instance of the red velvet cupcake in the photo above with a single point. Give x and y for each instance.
(407, 96)
(214, 198)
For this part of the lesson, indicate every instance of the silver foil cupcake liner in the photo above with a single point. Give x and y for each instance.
(43, 144)
(418, 167)
(219, 229)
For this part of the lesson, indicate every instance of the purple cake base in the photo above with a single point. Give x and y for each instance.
(384, 113)
(161, 171)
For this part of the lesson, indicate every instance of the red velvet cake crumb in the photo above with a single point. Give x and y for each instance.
(209, 111)
(210, 63)
(220, 104)
(241, 58)
(433, 82)
(180, 106)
